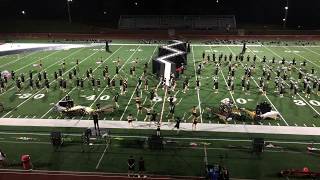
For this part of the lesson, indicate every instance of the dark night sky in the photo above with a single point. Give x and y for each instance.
(301, 12)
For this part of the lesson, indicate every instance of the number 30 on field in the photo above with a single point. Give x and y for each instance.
(302, 103)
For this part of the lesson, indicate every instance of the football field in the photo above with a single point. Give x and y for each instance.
(185, 150)
(39, 104)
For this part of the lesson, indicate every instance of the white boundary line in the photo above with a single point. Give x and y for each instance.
(102, 155)
(175, 138)
(198, 91)
(234, 45)
(84, 79)
(265, 94)
(125, 109)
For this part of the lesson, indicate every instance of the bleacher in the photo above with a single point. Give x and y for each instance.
(193, 22)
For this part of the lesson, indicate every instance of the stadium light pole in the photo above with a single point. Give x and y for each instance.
(69, 12)
(285, 14)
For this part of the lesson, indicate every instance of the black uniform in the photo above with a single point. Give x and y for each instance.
(22, 78)
(39, 77)
(55, 75)
(96, 123)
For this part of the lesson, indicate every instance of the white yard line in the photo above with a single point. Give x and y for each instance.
(102, 155)
(198, 91)
(171, 138)
(115, 76)
(164, 101)
(84, 79)
(274, 107)
(50, 84)
(234, 101)
(288, 85)
(11, 62)
(125, 109)
(205, 155)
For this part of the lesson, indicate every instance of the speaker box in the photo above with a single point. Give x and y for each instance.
(258, 145)
(155, 142)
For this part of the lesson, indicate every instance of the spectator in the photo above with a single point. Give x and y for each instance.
(2, 159)
(131, 166)
(141, 167)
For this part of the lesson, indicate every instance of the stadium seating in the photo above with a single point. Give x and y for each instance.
(226, 22)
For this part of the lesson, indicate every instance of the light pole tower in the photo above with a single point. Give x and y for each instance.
(285, 14)
(69, 12)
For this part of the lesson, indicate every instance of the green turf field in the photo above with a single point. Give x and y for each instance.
(39, 104)
(181, 152)
(230, 149)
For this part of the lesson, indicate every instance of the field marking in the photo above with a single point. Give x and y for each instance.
(115, 75)
(206, 45)
(102, 155)
(3, 65)
(198, 90)
(125, 109)
(49, 84)
(164, 102)
(302, 57)
(84, 79)
(46, 68)
(205, 155)
(288, 85)
(264, 94)
(171, 138)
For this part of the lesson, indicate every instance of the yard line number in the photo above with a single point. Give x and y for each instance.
(93, 97)
(27, 95)
(40, 96)
(301, 103)
(296, 101)
(239, 100)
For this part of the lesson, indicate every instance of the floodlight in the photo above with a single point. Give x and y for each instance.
(23, 12)
(284, 19)
(69, 0)
(286, 8)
